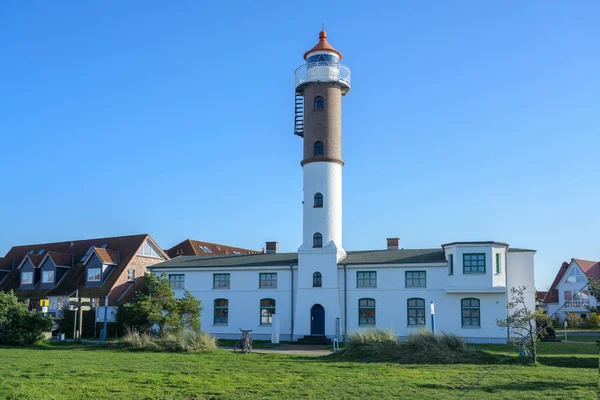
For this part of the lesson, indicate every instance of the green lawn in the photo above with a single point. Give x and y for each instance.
(566, 370)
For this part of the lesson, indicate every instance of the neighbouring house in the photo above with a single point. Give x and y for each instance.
(190, 247)
(568, 292)
(323, 291)
(95, 268)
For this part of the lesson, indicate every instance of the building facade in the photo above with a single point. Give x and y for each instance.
(569, 291)
(324, 290)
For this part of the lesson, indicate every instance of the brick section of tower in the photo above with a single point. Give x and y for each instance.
(323, 125)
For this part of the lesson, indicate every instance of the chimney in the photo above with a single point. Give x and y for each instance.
(393, 243)
(272, 247)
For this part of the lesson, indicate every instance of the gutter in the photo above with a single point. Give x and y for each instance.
(345, 303)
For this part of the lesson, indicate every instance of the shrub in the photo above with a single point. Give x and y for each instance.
(184, 341)
(18, 325)
(557, 323)
(574, 321)
(421, 348)
(369, 336)
(593, 321)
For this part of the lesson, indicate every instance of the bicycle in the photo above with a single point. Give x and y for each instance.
(245, 343)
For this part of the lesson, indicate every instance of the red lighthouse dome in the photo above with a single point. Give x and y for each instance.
(323, 46)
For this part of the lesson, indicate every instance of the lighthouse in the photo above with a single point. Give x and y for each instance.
(320, 84)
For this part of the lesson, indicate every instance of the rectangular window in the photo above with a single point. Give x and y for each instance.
(470, 313)
(268, 280)
(577, 299)
(498, 263)
(94, 275)
(267, 309)
(416, 312)
(366, 312)
(474, 263)
(53, 304)
(131, 275)
(221, 312)
(415, 279)
(48, 277)
(177, 281)
(451, 265)
(366, 279)
(221, 281)
(26, 278)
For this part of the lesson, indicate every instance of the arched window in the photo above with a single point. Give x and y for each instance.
(318, 148)
(366, 312)
(318, 200)
(317, 240)
(267, 309)
(416, 312)
(470, 312)
(317, 279)
(221, 311)
(318, 103)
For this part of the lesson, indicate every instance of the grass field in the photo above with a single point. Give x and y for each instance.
(566, 370)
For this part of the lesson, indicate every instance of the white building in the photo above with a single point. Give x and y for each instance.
(569, 292)
(322, 290)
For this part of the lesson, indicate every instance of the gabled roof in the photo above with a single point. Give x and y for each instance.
(190, 247)
(35, 259)
(107, 256)
(403, 256)
(59, 258)
(590, 268)
(127, 247)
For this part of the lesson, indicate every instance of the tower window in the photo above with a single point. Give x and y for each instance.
(318, 200)
(318, 148)
(317, 279)
(318, 103)
(317, 240)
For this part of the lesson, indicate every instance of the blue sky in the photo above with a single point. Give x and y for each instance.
(466, 121)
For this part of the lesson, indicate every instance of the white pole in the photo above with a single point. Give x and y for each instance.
(275, 326)
(75, 321)
(566, 330)
(432, 309)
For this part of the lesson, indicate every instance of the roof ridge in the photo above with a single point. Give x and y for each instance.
(78, 241)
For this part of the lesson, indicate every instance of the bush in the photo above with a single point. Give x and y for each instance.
(557, 323)
(369, 336)
(18, 325)
(185, 341)
(593, 321)
(421, 348)
(574, 321)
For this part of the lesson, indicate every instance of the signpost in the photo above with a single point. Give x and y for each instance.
(79, 305)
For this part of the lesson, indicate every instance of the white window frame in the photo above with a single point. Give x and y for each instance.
(89, 273)
(28, 281)
(44, 273)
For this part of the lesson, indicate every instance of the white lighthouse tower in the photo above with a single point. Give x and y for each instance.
(320, 85)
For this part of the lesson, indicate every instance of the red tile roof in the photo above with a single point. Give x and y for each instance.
(127, 247)
(190, 247)
(539, 296)
(590, 268)
(108, 256)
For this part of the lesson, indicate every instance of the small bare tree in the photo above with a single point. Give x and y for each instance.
(525, 326)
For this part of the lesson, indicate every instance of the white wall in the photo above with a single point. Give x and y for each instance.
(324, 178)
(244, 297)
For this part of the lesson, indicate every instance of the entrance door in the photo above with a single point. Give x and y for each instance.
(317, 320)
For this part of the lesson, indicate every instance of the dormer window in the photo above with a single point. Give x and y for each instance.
(26, 278)
(48, 277)
(94, 275)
